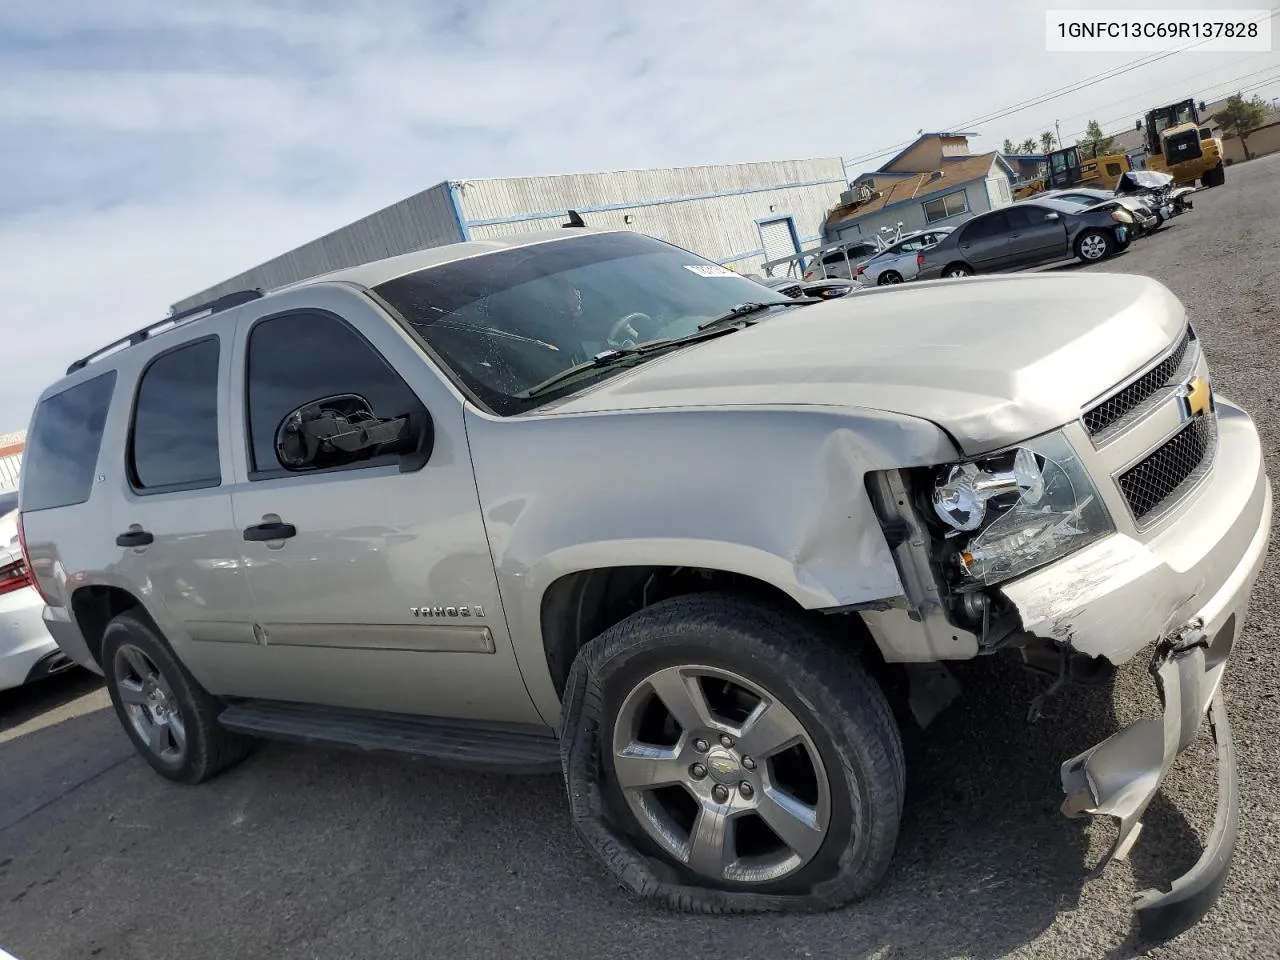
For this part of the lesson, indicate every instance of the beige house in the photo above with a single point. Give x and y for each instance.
(935, 180)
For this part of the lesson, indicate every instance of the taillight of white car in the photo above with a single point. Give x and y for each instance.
(15, 576)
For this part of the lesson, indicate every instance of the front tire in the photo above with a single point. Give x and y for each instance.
(171, 719)
(1215, 177)
(725, 756)
(1094, 246)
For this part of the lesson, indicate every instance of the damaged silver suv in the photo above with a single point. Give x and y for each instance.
(583, 501)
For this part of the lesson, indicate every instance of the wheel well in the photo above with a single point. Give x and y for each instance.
(582, 605)
(955, 263)
(94, 607)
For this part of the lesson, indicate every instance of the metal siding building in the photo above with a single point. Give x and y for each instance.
(427, 219)
(724, 213)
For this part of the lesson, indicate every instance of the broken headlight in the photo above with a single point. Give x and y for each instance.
(1020, 509)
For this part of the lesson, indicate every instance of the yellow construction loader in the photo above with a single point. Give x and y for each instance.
(1078, 166)
(1178, 145)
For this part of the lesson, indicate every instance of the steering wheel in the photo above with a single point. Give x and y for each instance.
(624, 326)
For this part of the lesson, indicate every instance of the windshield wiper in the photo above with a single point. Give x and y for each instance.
(620, 356)
(743, 309)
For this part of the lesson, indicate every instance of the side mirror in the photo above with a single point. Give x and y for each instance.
(1052, 216)
(342, 429)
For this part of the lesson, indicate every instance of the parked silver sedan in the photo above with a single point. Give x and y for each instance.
(896, 263)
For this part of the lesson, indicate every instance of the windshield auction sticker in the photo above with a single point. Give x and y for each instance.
(1151, 31)
(709, 270)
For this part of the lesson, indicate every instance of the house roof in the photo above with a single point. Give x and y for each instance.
(956, 172)
(919, 140)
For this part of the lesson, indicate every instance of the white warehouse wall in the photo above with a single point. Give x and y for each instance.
(427, 219)
(711, 210)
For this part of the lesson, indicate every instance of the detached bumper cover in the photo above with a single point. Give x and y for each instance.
(1186, 590)
(1120, 776)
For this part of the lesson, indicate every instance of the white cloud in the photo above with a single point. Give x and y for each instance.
(154, 147)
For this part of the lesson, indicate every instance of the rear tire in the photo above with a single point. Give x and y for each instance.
(832, 717)
(958, 270)
(1215, 177)
(1094, 246)
(889, 276)
(171, 719)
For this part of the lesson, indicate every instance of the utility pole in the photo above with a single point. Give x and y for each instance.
(1058, 129)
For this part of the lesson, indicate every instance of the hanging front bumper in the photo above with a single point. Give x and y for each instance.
(1120, 776)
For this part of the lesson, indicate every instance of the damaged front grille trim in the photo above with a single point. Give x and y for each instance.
(1109, 417)
(1135, 481)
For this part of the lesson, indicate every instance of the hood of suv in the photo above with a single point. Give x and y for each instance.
(992, 360)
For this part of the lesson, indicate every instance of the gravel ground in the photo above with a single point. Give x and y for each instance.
(312, 854)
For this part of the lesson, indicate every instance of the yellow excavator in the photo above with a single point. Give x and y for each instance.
(1078, 166)
(1178, 145)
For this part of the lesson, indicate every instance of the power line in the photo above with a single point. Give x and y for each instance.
(1204, 95)
(1145, 96)
(1057, 94)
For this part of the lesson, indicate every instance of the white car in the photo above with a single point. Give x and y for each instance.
(837, 262)
(27, 651)
(896, 263)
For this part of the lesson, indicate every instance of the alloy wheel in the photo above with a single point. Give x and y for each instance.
(720, 774)
(150, 703)
(1093, 247)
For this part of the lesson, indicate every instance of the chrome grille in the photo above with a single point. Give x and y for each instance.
(1172, 469)
(1119, 404)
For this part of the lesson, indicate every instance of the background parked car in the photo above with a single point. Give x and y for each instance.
(1157, 190)
(1145, 219)
(1027, 234)
(896, 263)
(841, 262)
(27, 651)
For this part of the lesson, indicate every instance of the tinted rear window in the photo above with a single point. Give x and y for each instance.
(175, 420)
(62, 448)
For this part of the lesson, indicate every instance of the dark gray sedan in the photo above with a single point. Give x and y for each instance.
(1028, 234)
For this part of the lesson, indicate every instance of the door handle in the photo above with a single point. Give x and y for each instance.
(135, 538)
(270, 531)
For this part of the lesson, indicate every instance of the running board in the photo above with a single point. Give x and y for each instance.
(502, 748)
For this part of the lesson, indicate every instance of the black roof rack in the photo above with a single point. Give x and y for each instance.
(224, 302)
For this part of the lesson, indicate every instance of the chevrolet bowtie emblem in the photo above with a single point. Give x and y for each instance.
(1198, 397)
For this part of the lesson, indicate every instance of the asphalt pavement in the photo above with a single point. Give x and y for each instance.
(304, 853)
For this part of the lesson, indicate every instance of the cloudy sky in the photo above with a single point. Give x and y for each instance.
(153, 147)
